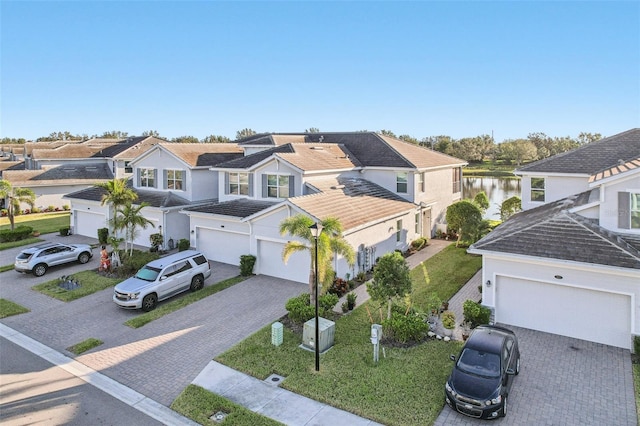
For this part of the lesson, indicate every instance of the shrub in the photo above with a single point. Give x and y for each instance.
(35, 210)
(339, 287)
(156, 241)
(299, 309)
(351, 300)
(419, 243)
(183, 244)
(64, 231)
(51, 208)
(4, 212)
(361, 276)
(405, 328)
(475, 314)
(131, 264)
(448, 320)
(636, 345)
(19, 233)
(66, 207)
(326, 302)
(247, 261)
(103, 235)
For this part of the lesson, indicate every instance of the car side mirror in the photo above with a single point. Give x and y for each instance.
(510, 371)
(452, 357)
(162, 278)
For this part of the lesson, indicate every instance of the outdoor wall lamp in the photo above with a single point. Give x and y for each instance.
(488, 283)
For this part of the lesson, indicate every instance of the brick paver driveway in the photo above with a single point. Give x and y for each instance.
(565, 381)
(161, 358)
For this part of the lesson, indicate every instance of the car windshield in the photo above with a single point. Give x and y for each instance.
(148, 274)
(479, 363)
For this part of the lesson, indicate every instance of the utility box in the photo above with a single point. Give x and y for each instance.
(327, 330)
(276, 333)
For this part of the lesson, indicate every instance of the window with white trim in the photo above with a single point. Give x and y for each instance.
(401, 182)
(634, 211)
(398, 230)
(147, 177)
(457, 179)
(417, 230)
(174, 180)
(420, 177)
(278, 186)
(238, 183)
(537, 189)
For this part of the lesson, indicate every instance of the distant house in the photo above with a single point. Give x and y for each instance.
(384, 191)
(569, 263)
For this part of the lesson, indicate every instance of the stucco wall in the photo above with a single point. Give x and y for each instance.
(556, 187)
(609, 207)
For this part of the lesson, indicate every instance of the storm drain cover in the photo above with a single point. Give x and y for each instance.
(274, 379)
(218, 417)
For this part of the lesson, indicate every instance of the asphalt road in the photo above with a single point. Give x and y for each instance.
(33, 391)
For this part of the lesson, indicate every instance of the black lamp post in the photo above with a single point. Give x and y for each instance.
(316, 229)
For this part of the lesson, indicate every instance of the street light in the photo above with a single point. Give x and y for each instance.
(316, 229)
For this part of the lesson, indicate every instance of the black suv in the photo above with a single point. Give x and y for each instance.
(480, 381)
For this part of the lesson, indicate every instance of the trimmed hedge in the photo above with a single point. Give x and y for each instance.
(19, 233)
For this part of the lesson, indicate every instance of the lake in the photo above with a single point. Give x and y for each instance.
(497, 189)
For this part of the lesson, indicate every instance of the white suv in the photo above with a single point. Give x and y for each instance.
(161, 279)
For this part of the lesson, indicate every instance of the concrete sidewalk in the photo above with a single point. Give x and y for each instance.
(268, 399)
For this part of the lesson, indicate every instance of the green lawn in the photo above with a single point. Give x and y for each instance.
(90, 282)
(404, 388)
(45, 223)
(636, 386)
(84, 346)
(8, 308)
(199, 404)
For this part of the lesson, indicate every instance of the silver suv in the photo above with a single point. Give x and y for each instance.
(161, 279)
(38, 259)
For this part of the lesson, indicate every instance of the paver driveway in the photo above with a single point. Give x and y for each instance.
(564, 381)
(160, 359)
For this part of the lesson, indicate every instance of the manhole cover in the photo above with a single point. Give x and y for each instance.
(274, 379)
(218, 417)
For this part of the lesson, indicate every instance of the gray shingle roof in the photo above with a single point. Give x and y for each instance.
(158, 199)
(552, 231)
(591, 158)
(241, 208)
(62, 175)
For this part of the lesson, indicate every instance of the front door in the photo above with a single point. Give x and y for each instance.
(426, 223)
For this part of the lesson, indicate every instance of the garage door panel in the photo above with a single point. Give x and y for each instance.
(270, 262)
(220, 246)
(87, 223)
(565, 310)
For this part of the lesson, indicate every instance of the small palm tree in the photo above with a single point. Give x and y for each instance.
(15, 196)
(129, 219)
(330, 241)
(118, 194)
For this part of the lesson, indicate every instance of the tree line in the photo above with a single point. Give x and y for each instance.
(535, 146)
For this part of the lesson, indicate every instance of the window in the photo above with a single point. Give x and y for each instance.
(127, 167)
(239, 183)
(417, 230)
(398, 230)
(420, 177)
(147, 177)
(401, 183)
(537, 189)
(457, 179)
(174, 179)
(278, 186)
(635, 211)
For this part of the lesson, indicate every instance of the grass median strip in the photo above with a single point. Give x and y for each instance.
(6, 268)
(84, 346)
(199, 405)
(89, 283)
(8, 308)
(181, 302)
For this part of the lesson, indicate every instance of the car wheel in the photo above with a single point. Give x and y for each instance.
(40, 269)
(504, 407)
(149, 302)
(84, 257)
(197, 283)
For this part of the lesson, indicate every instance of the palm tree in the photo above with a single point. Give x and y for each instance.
(129, 219)
(15, 196)
(330, 241)
(118, 194)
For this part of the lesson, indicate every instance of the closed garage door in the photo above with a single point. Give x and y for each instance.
(225, 247)
(87, 223)
(143, 234)
(596, 316)
(270, 262)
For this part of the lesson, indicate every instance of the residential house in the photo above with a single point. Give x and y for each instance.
(569, 264)
(166, 176)
(384, 191)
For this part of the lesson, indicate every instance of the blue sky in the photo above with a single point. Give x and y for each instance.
(419, 68)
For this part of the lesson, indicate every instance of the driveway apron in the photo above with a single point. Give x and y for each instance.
(161, 358)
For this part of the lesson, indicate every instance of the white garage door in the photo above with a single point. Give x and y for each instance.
(143, 234)
(270, 262)
(87, 223)
(225, 247)
(575, 312)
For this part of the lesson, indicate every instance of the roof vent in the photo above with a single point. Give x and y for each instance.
(319, 148)
(321, 138)
(337, 187)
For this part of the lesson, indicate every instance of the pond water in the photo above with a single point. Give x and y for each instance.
(497, 189)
